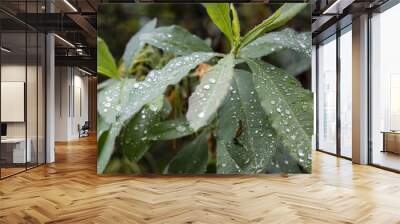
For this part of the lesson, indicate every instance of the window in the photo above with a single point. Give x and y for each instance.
(346, 92)
(385, 89)
(327, 96)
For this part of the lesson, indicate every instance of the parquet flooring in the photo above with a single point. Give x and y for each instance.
(69, 191)
(11, 170)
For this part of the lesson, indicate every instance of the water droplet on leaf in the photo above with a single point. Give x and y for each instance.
(201, 115)
(180, 128)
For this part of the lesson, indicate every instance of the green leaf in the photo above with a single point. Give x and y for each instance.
(235, 25)
(106, 83)
(258, 30)
(114, 166)
(290, 107)
(166, 110)
(225, 163)
(192, 158)
(163, 153)
(176, 40)
(106, 150)
(246, 140)
(102, 126)
(276, 41)
(282, 161)
(287, 12)
(120, 101)
(157, 81)
(134, 137)
(109, 102)
(169, 130)
(101, 140)
(135, 44)
(126, 98)
(220, 15)
(105, 61)
(292, 62)
(210, 93)
(279, 18)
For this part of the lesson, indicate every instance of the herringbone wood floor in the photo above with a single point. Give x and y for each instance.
(69, 191)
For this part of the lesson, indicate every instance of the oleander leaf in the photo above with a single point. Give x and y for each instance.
(105, 61)
(171, 129)
(126, 98)
(108, 127)
(157, 81)
(210, 93)
(289, 106)
(276, 20)
(106, 149)
(120, 101)
(176, 40)
(225, 163)
(292, 62)
(282, 161)
(106, 83)
(286, 12)
(102, 126)
(246, 140)
(134, 137)
(135, 44)
(192, 158)
(166, 109)
(235, 25)
(276, 41)
(258, 30)
(108, 104)
(301, 65)
(220, 15)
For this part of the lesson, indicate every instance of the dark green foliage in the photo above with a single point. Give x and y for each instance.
(244, 130)
(135, 44)
(192, 158)
(289, 106)
(169, 130)
(176, 107)
(176, 40)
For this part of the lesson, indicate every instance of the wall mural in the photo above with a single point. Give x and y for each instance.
(204, 88)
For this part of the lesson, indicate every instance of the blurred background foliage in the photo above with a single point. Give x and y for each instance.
(118, 22)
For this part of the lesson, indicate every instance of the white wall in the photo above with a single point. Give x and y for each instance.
(70, 83)
(80, 100)
(62, 81)
(16, 73)
(12, 73)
